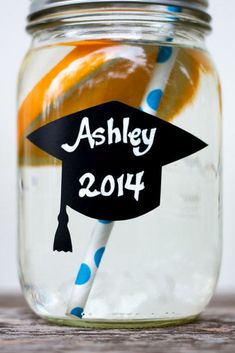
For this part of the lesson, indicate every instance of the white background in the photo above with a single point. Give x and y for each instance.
(13, 45)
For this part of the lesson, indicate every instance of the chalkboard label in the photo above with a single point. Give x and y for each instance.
(112, 157)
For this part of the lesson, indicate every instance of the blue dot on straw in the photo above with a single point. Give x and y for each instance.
(154, 98)
(98, 256)
(164, 54)
(174, 8)
(84, 274)
(79, 312)
(105, 222)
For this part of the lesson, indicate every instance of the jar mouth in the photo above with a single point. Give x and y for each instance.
(48, 8)
(43, 5)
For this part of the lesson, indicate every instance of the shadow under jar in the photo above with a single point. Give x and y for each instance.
(119, 153)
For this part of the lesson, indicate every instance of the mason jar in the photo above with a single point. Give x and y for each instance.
(119, 154)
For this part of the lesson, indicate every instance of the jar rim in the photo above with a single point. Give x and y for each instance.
(47, 6)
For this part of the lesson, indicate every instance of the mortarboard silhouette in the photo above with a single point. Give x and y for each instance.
(112, 157)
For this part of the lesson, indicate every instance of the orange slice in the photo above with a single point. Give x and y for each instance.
(183, 82)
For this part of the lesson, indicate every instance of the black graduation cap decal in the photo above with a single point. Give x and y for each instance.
(112, 157)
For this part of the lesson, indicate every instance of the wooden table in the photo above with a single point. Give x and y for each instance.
(21, 331)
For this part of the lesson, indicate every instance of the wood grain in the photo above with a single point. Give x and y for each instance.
(21, 331)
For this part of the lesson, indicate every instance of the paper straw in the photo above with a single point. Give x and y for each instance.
(100, 235)
(88, 268)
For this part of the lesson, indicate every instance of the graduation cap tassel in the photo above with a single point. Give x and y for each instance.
(62, 240)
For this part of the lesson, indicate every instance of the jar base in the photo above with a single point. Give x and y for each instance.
(127, 324)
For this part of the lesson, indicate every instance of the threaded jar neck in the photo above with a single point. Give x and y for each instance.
(126, 20)
(48, 11)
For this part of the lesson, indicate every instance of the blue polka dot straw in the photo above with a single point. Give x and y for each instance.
(150, 103)
(160, 76)
(88, 268)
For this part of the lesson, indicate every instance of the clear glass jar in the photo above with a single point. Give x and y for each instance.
(161, 262)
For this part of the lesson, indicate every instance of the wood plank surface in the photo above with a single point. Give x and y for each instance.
(21, 331)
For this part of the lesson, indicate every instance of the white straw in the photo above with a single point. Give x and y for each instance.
(86, 275)
(88, 268)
